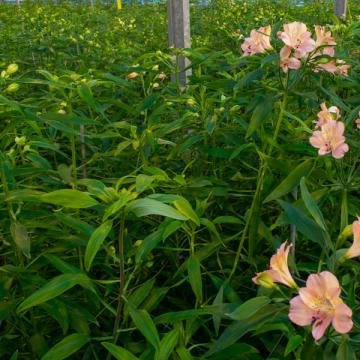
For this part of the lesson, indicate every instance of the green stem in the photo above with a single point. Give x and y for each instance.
(10, 210)
(121, 282)
(256, 202)
(73, 160)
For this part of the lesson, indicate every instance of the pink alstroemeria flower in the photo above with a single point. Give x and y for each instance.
(343, 68)
(297, 37)
(334, 67)
(258, 41)
(357, 122)
(326, 114)
(287, 62)
(330, 67)
(279, 270)
(319, 304)
(324, 38)
(354, 250)
(330, 139)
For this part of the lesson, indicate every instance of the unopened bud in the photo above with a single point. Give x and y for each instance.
(132, 75)
(12, 68)
(138, 243)
(12, 88)
(20, 140)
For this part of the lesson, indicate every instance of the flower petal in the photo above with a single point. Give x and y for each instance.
(342, 318)
(332, 284)
(320, 326)
(299, 313)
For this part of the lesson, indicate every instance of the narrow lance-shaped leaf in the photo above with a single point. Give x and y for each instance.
(96, 240)
(167, 345)
(145, 325)
(185, 209)
(54, 288)
(249, 308)
(69, 198)
(194, 272)
(303, 223)
(21, 238)
(66, 347)
(260, 115)
(290, 181)
(118, 352)
(146, 206)
(311, 205)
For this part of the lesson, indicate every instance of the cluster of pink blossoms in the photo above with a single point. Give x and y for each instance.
(328, 135)
(298, 45)
(318, 303)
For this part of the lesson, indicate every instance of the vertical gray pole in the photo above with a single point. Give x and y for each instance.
(340, 8)
(179, 33)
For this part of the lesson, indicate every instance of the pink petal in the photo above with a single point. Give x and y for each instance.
(332, 284)
(320, 326)
(317, 139)
(340, 151)
(299, 313)
(342, 322)
(314, 290)
(294, 63)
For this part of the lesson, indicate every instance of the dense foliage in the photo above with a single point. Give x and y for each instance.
(135, 212)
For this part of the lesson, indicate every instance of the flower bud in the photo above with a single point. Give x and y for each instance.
(12, 68)
(132, 75)
(12, 88)
(265, 281)
(162, 76)
(20, 140)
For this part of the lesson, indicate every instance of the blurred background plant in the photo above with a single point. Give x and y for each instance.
(124, 198)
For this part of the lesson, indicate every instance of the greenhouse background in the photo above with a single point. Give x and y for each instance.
(180, 180)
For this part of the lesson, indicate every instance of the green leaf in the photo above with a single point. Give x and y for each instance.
(303, 223)
(167, 345)
(124, 198)
(289, 183)
(146, 326)
(194, 272)
(311, 205)
(217, 316)
(86, 94)
(167, 228)
(238, 329)
(66, 347)
(21, 238)
(95, 242)
(261, 113)
(141, 293)
(185, 209)
(146, 206)
(61, 265)
(184, 354)
(249, 308)
(118, 352)
(143, 182)
(293, 343)
(69, 198)
(345, 351)
(54, 288)
(176, 316)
